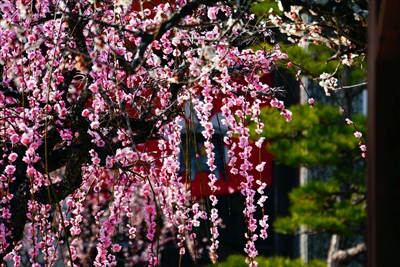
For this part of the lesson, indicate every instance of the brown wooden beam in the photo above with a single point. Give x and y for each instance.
(388, 30)
(383, 158)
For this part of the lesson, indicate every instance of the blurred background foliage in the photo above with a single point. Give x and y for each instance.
(319, 136)
(239, 261)
(315, 136)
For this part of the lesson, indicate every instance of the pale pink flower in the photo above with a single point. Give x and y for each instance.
(12, 157)
(95, 125)
(9, 169)
(14, 138)
(260, 167)
(26, 139)
(357, 134)
(212, 12)
(116, 247)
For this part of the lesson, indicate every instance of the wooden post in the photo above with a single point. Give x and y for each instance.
(383, 155)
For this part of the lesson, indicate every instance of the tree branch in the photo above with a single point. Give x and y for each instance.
(336, 256)
(342, 255)
(353, 86)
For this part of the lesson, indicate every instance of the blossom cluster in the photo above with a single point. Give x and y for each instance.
(306, 25)
(299, 28)
(328, 82)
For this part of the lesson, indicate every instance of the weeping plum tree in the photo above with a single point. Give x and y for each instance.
(85, 86)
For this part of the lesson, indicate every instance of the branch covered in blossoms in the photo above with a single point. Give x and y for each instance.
(340, 26)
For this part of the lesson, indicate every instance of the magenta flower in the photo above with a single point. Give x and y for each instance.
(9, 169)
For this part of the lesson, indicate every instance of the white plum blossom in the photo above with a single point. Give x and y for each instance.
(328, 82)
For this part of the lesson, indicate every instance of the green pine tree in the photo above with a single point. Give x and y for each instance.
(318, 137)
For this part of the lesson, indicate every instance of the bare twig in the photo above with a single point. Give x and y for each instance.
(353, 86)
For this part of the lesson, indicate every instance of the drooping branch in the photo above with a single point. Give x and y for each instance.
(18, 206)
(18, 209)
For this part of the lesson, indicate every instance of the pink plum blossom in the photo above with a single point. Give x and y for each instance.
(357, 134)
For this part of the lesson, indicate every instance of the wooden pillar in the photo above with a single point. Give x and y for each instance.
(383, 156)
